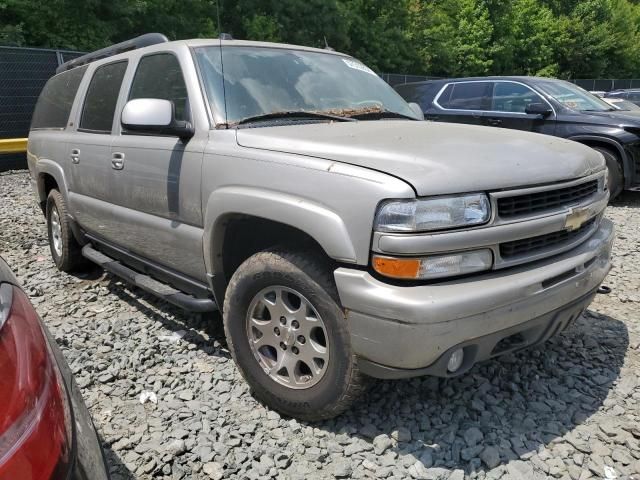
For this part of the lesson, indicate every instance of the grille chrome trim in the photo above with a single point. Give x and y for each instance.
(533, 245)
(496, 197)
(546, 200)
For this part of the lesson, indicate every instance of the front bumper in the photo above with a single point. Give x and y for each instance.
(406, 331)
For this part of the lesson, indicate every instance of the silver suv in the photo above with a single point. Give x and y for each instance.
(292, 189)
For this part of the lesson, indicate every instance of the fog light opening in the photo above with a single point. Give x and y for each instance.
(455, 360)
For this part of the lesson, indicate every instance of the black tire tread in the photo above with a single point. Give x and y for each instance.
(72, 259)
(608, 151)
(318, 269)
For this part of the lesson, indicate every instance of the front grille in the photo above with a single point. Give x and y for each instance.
(546, 200)
(532, 245)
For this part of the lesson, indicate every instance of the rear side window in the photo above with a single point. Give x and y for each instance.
(56, 99)
(102, 96)
(466, 96)
(160, 76)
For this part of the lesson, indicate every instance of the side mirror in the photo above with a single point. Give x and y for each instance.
(154, 116)
(417, 109)
(538, 109)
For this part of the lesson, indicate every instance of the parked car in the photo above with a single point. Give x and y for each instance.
(543, 105)
(46, 432)
(622, 104)
(340, 235)
(598, 93)
(632, 94)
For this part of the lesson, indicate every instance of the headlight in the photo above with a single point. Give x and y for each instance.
(433, 266)
(432, 213)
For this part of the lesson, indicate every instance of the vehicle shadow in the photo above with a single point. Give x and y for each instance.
(173, 318)
(514, 404)
(117, 469)
(627, 199)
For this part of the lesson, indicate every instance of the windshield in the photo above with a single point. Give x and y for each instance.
(621, 104)
(574, 97)
(261, 81)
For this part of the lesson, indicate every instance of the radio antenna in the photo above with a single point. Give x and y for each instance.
(220, 37)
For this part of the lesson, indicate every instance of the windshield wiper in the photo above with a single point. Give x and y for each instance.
(596, 110)
(379, 114)
(301, 114)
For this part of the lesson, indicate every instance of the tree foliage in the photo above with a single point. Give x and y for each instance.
(565, 38)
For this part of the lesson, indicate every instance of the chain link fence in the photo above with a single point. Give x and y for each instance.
(606, 84)
(394, 79)
(23, 73)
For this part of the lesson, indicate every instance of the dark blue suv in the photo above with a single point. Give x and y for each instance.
(543, 105)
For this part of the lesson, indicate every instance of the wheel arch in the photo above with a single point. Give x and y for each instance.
(49, 175)
(271, 218)
(610, 144)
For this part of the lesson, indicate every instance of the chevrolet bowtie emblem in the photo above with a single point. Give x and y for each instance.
(575, 218)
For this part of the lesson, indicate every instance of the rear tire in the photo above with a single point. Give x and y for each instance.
(268, 287)
(65, 250)
(616, 176)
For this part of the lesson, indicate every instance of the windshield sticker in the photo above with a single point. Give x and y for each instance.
(358, 66)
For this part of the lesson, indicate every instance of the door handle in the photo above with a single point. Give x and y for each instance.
(494, 122)
(75, 156)
(433, 118)
(117, 161)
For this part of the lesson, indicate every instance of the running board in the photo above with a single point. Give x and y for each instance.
(148, 284)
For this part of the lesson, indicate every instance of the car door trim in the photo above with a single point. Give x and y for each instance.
(441, 91)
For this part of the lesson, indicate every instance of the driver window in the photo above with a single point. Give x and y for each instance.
(160, 76)
(513, 97)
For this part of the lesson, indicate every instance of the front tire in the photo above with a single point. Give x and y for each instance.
(65, 250)
(616, 177)
(288, 335)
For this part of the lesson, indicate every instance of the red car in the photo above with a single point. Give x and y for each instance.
(46, 432)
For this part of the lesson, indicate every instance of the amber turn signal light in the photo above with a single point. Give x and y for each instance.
(406, 268)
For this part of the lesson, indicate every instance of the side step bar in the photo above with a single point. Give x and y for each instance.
(148, 284)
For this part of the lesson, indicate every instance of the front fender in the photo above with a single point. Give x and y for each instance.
(316, 220)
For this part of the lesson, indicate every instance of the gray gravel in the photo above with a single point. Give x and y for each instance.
(569, 409)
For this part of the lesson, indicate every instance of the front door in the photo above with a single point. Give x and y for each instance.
(509, 102)
(156, 178)
(89, 152)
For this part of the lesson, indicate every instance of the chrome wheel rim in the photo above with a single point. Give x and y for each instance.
(56, 232)
(288, 337)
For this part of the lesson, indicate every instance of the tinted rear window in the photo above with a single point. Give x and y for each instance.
(420, 93)
(56, 99)
(102, 96)
(466, 96)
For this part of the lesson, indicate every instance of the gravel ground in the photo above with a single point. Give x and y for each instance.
(569, 409)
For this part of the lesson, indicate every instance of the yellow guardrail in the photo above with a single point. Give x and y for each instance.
(13, 145)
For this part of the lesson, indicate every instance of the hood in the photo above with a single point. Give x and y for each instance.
(618, 118)
(435, 158)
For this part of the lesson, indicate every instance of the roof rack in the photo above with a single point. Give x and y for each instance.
(138, 42)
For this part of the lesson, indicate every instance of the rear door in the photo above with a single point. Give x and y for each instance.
(156, 179)
(509, 101)
(89, 151)
(462, 102)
